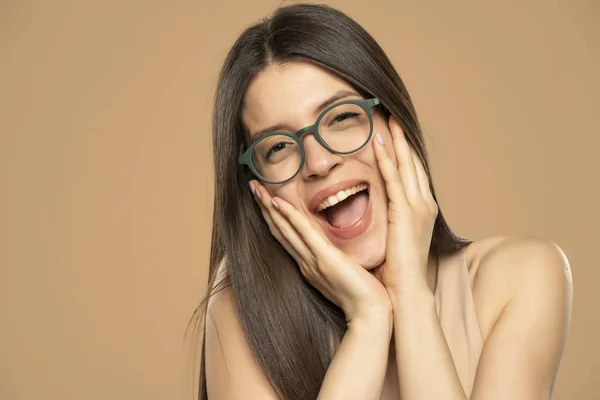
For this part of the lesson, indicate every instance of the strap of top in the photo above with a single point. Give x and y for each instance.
(456, 311)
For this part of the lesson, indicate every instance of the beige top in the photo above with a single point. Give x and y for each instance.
(233, 371)
(456, 311)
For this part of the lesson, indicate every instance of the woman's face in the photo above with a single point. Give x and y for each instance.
(289, 95)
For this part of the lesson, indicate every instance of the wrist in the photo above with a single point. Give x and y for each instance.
(375, 320)
(413, 296)
(410, 288)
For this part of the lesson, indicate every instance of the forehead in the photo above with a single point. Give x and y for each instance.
(288, 93)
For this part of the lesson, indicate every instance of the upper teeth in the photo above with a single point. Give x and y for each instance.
(341, 196)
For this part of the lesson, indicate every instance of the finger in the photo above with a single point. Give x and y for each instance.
(280, 228)
(421, 175)
(405, 162)
(423, 180)
(276, 232)
(393, 181)
(283, 226)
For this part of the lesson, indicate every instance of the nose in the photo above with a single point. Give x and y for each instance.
(318, 161)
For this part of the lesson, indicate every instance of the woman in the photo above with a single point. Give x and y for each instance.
(334, 273)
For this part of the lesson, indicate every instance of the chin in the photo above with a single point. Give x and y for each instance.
(368, 250)
(369, 261)
(368, 253)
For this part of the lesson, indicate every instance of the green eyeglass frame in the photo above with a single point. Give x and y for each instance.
(365, 104)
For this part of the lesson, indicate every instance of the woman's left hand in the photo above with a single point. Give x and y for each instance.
(412, 211)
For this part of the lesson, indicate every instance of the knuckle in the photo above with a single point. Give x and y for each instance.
(305, 270)
(309, 274)
(430, 207)
(422, 210)
(434, 209)
(277, 234)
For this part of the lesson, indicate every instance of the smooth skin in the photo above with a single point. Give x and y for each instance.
(522, 287)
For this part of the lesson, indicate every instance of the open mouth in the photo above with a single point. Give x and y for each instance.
(346, 208)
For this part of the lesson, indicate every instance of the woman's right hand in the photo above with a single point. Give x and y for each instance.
(356, 291)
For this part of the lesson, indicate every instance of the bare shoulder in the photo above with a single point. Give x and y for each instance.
(231, 370)
(222, 298)
(503, 267)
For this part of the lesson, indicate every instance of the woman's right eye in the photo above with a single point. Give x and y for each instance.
(278, 147)
(275, 149)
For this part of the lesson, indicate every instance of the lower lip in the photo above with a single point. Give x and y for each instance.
(353, 231)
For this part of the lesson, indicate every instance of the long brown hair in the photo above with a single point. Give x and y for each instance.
(288, 324)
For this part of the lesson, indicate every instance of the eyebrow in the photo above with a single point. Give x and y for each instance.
(340, 94)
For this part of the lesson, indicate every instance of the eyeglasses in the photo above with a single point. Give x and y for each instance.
(342, 128)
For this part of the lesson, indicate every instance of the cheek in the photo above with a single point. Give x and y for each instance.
(288, 192)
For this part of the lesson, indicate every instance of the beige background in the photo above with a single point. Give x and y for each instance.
(105, 168)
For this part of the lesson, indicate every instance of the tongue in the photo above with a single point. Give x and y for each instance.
(347, 212)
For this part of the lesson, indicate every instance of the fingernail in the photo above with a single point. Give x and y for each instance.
(251, 187)
(274, 204)
(257, 193)
(379, 138)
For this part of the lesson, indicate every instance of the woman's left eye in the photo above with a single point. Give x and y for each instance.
(344, 116)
